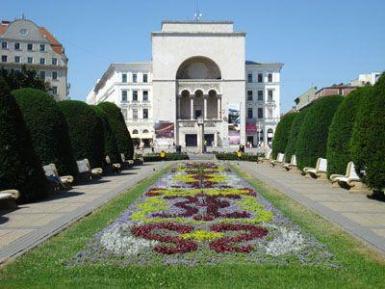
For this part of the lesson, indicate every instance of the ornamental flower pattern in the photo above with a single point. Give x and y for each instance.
(202, 213)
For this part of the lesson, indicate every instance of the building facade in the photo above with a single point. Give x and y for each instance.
(24, 43)
(199, 89)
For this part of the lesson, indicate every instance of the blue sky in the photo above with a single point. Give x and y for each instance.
(320, 42)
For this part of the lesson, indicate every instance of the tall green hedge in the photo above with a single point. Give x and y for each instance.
(282, 133)
(293, 136)
(368, 140)
(313, 135)
(110, 145)
(48, 128)
(20, 167)
(85, 130)
(118, 125)
(340, 132)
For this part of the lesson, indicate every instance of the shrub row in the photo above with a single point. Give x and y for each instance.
(341, 129)
(156, 157)
(35, 131)
(236, 157)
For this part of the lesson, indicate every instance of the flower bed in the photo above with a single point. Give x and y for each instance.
(202, 213)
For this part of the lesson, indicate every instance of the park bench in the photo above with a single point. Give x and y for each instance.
(128, 163)
(350, 180)
(115, 167)
(320, 170)
(57, 182)
(292, 164)
(280, 159)
(86, 171)
(266, 158)
(8, 199)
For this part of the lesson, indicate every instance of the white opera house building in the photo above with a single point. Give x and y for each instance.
(197, 89)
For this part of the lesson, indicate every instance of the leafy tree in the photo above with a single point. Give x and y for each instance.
(313, 135)
(23, 79)
(48, 128)
(20, 167)
(293, 136)
(85, 131)
(282, 133)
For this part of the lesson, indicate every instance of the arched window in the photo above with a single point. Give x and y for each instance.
(198, 68)
(145, 131)
(135, 131)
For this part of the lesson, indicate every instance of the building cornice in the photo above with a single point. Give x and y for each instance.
(196, 22)
(199, 34)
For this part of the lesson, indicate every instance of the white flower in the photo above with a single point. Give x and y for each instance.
(126, 245)
(287, 241)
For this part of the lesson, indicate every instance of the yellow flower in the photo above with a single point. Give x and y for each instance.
(201, 235)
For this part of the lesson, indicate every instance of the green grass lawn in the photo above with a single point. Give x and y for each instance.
(44, 267)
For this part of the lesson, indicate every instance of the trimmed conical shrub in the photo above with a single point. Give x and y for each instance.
(341, 130)
(368, 140)
(20, 167)
(110, 145)
(48, 129)
(85, 130)
(293, 136)
(313, 135)
(118, 125)
(282, 133)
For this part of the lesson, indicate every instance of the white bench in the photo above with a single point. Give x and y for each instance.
(128, 162)
(116, 167)
(85, 169)
(320, 170)
(65, 182)
(350, 180)
(266, 158)
(292, 164)
(280, 159)
(8, 198)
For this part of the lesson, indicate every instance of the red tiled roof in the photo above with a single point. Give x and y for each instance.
(56, 46)
(3, 28)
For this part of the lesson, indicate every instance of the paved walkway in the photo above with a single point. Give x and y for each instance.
(355, 213)
(31, 224)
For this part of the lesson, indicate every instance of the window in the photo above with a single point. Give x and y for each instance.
(135, 114)
(4, 44)
(145, 131)
(270, 93)
(124, 95)
(260, 77)
(54, 75)
(17, 46)
(54, 61)
(249, 95)
(42, 47)
(135, 131)
(270, 77)
(250, 77)
(134, 95)
(260, 95)
(30, 60)
(124, 77)
(29, 46)
(260, 112)
(145, 95)
(145, 113)
(249, 113)
(17, 59)
(42, 61)
(145, 77)
(4, 58)
(54, 90)
(42, 75)
(134, 77)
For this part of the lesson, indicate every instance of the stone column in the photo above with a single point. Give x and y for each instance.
(192, 108)
(179, 113)
(218, 107)
(205, 107)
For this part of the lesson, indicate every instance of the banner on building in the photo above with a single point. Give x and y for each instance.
(234, 121)
(164, 129)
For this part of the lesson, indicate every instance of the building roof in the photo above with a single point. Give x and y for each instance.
(145, 66)
(195, 22)
(274, 66)
(55, 44)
